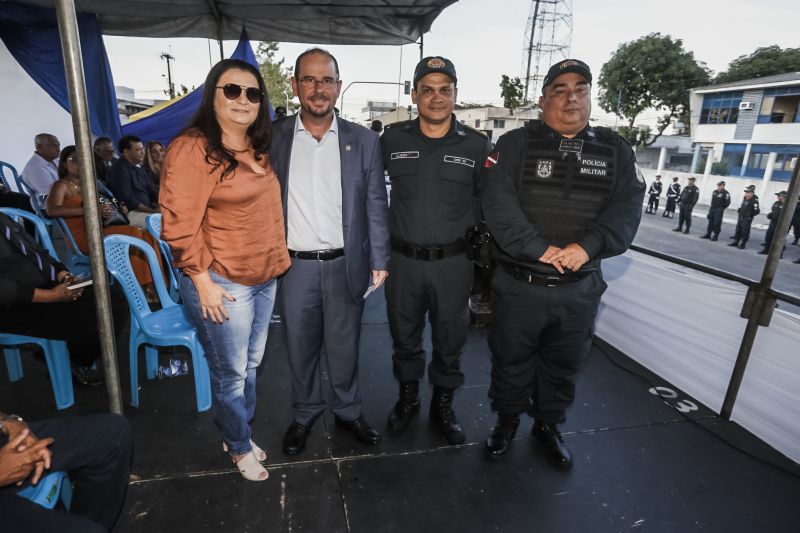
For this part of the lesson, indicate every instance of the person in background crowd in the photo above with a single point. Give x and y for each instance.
(796, 224)
(654, 193)
(103, 157)
(686, 203)
(40, 172)
(131, 183)
(96, 451)
(720, 200)
(153, 159)
(747, 211)
(673, 192)
(222, 217)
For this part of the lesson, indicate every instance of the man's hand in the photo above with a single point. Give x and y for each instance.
(378, 277)
(571, 257)
(548, 257)
(14, 428)
(17, 461)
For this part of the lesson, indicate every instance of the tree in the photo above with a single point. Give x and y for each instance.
(653, 72)
(276, 76)
(765, 61)
(512, 91)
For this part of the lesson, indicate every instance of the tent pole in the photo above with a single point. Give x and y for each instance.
(759, 303)
(221, 51)
(76, 87)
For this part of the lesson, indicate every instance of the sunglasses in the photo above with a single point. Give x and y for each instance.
(233, 91)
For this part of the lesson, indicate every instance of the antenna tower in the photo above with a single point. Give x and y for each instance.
(548, 37)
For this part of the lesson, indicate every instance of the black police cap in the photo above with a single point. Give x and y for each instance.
(568, 65)
(434, 64)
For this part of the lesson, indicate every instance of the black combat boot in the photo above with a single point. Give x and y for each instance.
(686, 231)
(741, 244)
(679, 228)
(706, 236)
(763, 251)
(734, 243)
(500, 439)
(715, 237)
(406, 407)
(443, 415)
(557, 452)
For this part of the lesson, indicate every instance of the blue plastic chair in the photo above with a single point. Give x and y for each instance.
(42, 235)
(6, 170)
(57, 357)
(153, 224)
(46, 493)
(78, 262)
(168, 326)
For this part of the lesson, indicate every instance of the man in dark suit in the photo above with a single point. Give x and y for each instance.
(334, 199)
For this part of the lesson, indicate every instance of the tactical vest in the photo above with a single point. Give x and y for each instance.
(566, 183)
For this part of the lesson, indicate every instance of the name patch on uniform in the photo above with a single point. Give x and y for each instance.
(405, 155)
(571, 145)
(459, 160)
(544, 168)
(594, 171)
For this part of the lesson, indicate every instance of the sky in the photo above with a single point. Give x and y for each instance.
(485, 39)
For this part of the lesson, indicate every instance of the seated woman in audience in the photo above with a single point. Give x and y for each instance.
(65, 201)
(153, 158)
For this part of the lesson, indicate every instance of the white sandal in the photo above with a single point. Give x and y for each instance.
(251, 469)
(260, 454)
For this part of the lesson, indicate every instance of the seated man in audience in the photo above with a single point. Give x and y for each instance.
(35, 301)
(103, 157)
(131, 183)
(40, 171)
(95, 450)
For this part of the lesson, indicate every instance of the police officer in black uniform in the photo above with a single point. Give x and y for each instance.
(796, 225)
(686, 203)
(654, 193)
(773, 216)
(558, 195)
(434, 163)
(747, 211)
(720, 200)
(673, 192)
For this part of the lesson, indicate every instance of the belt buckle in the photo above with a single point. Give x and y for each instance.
(551, 281)
(422, 253)
(319, 256)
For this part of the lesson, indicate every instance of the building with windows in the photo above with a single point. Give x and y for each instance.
(495, 121)
(750, 127)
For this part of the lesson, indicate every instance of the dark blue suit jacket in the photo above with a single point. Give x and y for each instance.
(365, 210)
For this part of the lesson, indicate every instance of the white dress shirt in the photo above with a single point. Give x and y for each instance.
(40, 174)
(314, 196)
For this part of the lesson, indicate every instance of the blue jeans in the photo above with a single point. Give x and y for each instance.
(234, 350)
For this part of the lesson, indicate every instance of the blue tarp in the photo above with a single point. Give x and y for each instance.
(167, 123)
(31, 35)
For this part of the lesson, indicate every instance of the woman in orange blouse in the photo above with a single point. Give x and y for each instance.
(222, 217)
(65, 201)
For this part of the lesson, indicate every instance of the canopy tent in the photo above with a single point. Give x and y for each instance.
(300, 21)
(165, 124)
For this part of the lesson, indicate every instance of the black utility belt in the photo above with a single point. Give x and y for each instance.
(318, 255)
(539, 278)
(429, 253)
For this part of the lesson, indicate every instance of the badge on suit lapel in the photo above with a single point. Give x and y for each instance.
(348, 147)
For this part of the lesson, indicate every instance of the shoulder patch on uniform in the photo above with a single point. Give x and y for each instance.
(405, 155)
(492, 159)
(639, 175)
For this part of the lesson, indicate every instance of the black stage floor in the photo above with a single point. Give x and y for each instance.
(640, 465)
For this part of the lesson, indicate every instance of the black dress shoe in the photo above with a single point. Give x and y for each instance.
(499, 440)
(741, 246)
(677, 229)
(557, 452)
(406, 407)
(714, 237)
(763, 252)
(686, 231)
(734, 243)
(294, 442)
(442, 415)
(364, 432)
(706, 236)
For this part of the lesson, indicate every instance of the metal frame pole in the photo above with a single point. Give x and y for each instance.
(76, 87)
(759, 303)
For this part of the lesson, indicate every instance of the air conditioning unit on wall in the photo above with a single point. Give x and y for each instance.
(746, 106)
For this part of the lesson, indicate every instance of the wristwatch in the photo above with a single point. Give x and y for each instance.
(6, 418)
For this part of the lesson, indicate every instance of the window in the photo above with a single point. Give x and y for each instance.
(499, 123)
(721, 108)
(780, 106)
(477, 123)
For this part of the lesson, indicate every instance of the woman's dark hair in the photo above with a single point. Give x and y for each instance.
(62, 160)
(205, 121)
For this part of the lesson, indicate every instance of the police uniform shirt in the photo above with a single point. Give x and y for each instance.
(434, 181)
(749, 208)
(655, 188)
(720, 198)
(609, 233)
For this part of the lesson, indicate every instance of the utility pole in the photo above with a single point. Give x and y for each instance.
(168, 57)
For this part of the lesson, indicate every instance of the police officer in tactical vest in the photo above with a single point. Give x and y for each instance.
(673, 192)
(558, 195)
(773, 216)
(654, 193)
(747, 211)
(434, 163)
(720, 200)
(686, 203)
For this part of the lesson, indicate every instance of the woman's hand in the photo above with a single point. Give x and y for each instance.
(106, 211)
(212, 298)
(62, 294)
